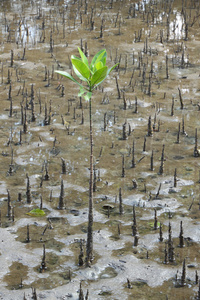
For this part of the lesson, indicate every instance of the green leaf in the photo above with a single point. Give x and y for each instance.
(78, 74)
(151, 224)
(103, 60)
(36, 213)
(73, 56)
(108, 72)
(112, 68)
(88, 96)
(81, 67)
(83, 57)
(99, 76)
(99, 65)
(100, 56)
(66, 74)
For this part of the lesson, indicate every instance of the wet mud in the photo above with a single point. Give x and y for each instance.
(146, 120)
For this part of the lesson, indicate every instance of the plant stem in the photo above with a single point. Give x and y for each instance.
(89, 247)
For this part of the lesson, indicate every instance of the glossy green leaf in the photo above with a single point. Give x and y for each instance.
(99, 76)
(99, 65)
(36, 213)
(83, 57)
(66, 74)
(112, 68)
(100, 56)
(108, 72)
(78, 74)
(81, 68)
(74, 56)
(103, 60)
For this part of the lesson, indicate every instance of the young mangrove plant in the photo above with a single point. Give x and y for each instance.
(91, 75)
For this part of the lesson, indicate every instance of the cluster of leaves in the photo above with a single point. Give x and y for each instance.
(93, 74)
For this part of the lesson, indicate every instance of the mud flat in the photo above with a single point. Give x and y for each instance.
(146, 122)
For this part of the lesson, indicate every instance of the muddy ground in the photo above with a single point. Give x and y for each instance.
(146, 120)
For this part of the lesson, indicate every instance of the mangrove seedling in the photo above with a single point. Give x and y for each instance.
(91, 75)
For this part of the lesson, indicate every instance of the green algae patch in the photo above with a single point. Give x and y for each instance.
(36, 213)
(151, 224)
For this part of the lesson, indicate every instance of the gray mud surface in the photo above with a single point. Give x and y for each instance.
(147, 112)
